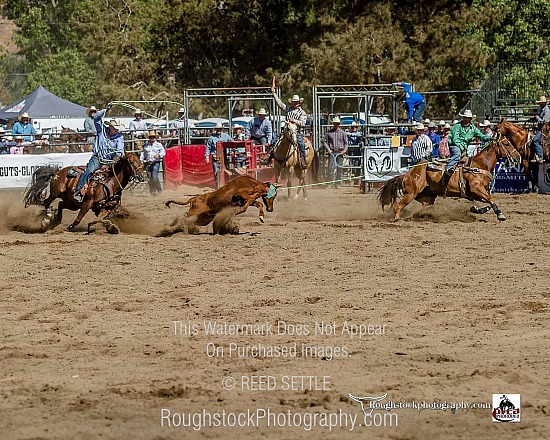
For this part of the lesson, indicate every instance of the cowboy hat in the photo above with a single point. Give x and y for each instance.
(38, 132)
(18, 137)
(295, 98)
(218, 125)
(420, 126)
(236, 126)
(542, 99)
(262, 111)
(485, 123)
(442, 123)
(23, 115)
(91, 109)
(426, 121)
(432, 125)
(112, 123)
(181, 110)
(447, 126)
(467, 114)
(152, 134)
(455, 121)
(336, 120)
(137, 111)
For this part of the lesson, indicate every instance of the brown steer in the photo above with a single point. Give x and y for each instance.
(239, 192)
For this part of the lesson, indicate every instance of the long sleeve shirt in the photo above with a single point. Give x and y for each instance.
(23, 129)
(106, 147)
(461, 136)
(298, 114)
(150, 150)
(412, 99)
(336, 140)
(213, 140)
(421, 148)
(138, 127)
(257, 128)
(89, 126)
(543, 116)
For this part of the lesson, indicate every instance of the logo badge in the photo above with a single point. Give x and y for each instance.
(506, 407)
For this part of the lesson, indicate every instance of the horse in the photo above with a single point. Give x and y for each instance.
(520, 139)
(286, 154)
(76, 142)
(101, 197)
(471, 180)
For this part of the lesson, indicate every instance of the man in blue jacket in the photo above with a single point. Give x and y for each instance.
(108, 147)
(416, 103)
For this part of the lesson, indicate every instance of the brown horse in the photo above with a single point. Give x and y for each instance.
(471, 180)
(76, 142)
(286, 157)
(520, 139)
(101, 197)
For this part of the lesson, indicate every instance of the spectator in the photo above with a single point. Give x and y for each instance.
(440, 129)
(444, 152)
(4, 146)
(238, 130)
(336, 144)
(421, 146)
(23, 127)
(435, 138)
(18, 148)
(138, 126)
(108, 147)
(217, 136)
(260, 130)
(41, 144)
(486, 128)
(542, 117)
(151, 155)
(416, 103)
(178, 123)
(239, 152)
(89, 126)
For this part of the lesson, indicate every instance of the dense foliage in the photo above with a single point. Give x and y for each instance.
(93, 51)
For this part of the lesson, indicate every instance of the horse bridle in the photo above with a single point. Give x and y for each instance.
(134, 178)
(290, 150)
(509, 159)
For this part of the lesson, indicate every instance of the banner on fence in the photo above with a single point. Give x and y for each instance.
(16, 169)
(510, 179)
(382, 163)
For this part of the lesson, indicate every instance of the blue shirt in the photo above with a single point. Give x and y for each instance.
(412, 99)
(106, 147)
(258, 129)
(213, 140)
(20, 128)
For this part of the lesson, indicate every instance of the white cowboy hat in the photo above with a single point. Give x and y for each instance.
(18, 137)
(542, 99)
(336, 120)
(181, 110)
(485, 123)
(38, 132)
(112, 123)
(467, 114)
(426, 121)
(442, 123)
(295, 98)
(137, 111)
(91, 109)
(218, 125)
(447, 126)
(262, 111)
(420, 126)
(23, 115)
(354, 124)
(235, 126)
(456, 121)
(432, 125)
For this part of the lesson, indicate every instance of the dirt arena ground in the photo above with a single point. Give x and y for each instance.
(459, 308)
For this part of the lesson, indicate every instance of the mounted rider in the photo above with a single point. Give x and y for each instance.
(297, 115)
(460, 137)
(108, 147)
(542, 117)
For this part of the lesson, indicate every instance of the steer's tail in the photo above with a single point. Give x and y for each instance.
(390, 191)
(175, 202)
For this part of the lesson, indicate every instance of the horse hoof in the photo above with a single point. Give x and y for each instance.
(501, 217)
(70, 228)
(261, 218)
(474, 210)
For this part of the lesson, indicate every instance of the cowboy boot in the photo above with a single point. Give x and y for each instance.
(266, 161)
(446, 177)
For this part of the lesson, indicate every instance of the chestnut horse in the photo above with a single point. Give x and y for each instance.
(101, 197)
(285, 153)
(74, 141)
(520, 139)
(470, 181)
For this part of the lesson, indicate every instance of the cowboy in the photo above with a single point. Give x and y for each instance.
(18, 147)
(138, 126)
(336, 144)
(441, 128)
(541, 118)
(416, 103)
(151, 155)
(108, 147)
(217, 136)
(89, 126)
(421, 145)
(486, 127)
(23, 127)
(260, 130)
(41, 145)
(297, 115)
(239, 135)
(460, 137)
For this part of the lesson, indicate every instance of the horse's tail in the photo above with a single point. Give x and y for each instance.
(387, 196)
(175, 202)
(37, 190)
(315, 167)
